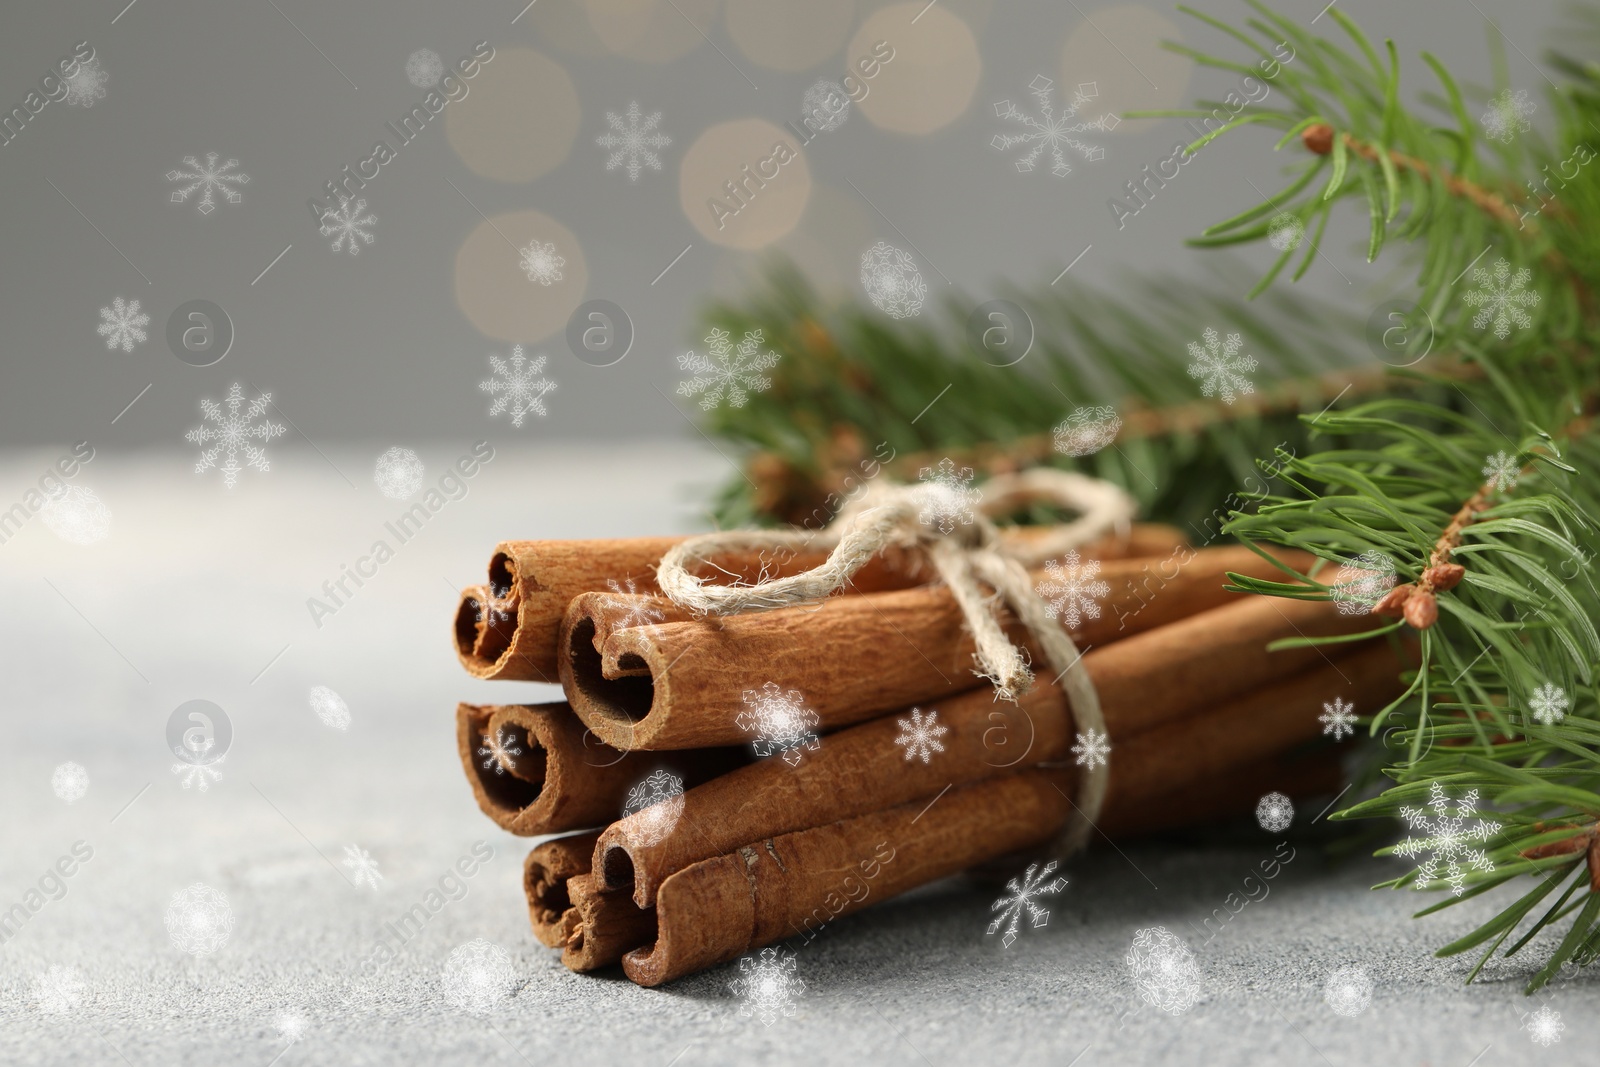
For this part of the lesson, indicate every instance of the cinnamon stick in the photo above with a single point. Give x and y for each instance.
(602, 926)
(544, 879)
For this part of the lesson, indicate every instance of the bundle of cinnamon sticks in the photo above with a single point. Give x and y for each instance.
(746, 779)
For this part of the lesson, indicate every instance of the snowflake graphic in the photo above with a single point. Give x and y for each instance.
(70, 782)
(1549, 703)
(768, 986)
(87, 84)
(122, 324)
(1274, 812)
(1073, 591)
(779, 722)
(1501, 471)
(59, 991)
(892, 281)
(291, 1027)
(195, 766)
(540, 262)
(1022, 896)
(825, 106)
(398, 473)
(1164, 970)
(330, 707)
(1051, 132)
(1449, 840)
(1544, 1026)
(1362, 582)
(1338, 718)
(499, 751)
(1286, 231)
(521, 389)
(633, 142)
(208, 180)
(1507, 115)
(1092, 749)
(199, 920)
(947, 496)
(232, 434)
(654, 805)
(1500, 298)
(1220, 367)
(76, 515)
(344, 224)
(363, 868)
(1087, 430)
(734, 375)
(478, 976)
(424, 68)
(633, 610)
(1349, 991)
(920, 734)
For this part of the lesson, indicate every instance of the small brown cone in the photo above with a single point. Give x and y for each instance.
(1443, 576)
(1393, 601)
(1421, 610)
(1318, 138)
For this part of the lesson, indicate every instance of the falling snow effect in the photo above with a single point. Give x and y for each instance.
(76, 515)
(1073, 592)
(1362, 582)
(1050, 132)
(362, 867)
(919, 735)
(346, 225)
(196, 767)
(122, 324)
(58, 991)
(779, 723)
(1507, 115)
(1022, 895)
(208, 180)
(825, 106)
(1338, 718)
(1274, 812)
(653, 807)
(633, 141)
(1286, 231)
(424, 68)
(1164, 970)
(330, 707)
(1501, 471)
(1220, 367)
(70, 782)
(231, 435)
(291, 1027)
(1501, 297)
(1087, 430)
(541, 264)
(629, 608)
(1448, 841)
(1092, 749)
(767, 986)
(892, 281)
(398, 473)
(734, 374)
(1348, 991)
(519, 387)
(478, 976)
(1544, 1026)
(947, 496)
(199, 920)
(499, 751)
(1549, 703)
(86, 85)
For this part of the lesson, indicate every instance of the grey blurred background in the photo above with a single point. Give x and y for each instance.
(392, 343)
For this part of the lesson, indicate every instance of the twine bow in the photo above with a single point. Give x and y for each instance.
(953, 525)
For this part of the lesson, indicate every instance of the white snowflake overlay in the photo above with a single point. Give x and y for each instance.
(734, 375)
(1274, 812)
(233, 433)
(1047, 131)
(1220, 367)
(1507, 115)
(1087, 430)
(633, 143)
(632, 610)
(768, 986)
(1164, 970)
(208, 180)
(1338, 718)
(398, 473)
(87, 84)
(520, 388)
(362, 867)
(1362, 582)
(291, 1027)
(196, 766)
(919, 735)
(654, 805)
(1549, 703)
(1073, 591)
(499, 751)
(1092, 749)
(1449, 840)
(70, 782)
(1500, 298)
(1501, 471)
(345, 224)
(779, 722)
(330, 707)
(199, 920)
(1286, 231)
(76, 515)
(892, 281)
(59, 991)
(540, 262)
(122, 324)
(947, 496)
(1022, 895)
(1348, 991)
(1544, 1026)
(424, 68)
(825, 106)
(478, 976)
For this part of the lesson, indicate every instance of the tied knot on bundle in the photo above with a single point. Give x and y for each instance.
(954, 525)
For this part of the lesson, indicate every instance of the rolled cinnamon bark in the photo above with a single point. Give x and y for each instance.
(544, 879)
(1314, 773)
(603, 926)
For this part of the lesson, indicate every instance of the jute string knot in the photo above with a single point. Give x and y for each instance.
(952, 524)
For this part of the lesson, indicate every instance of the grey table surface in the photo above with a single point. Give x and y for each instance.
(200, 592)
